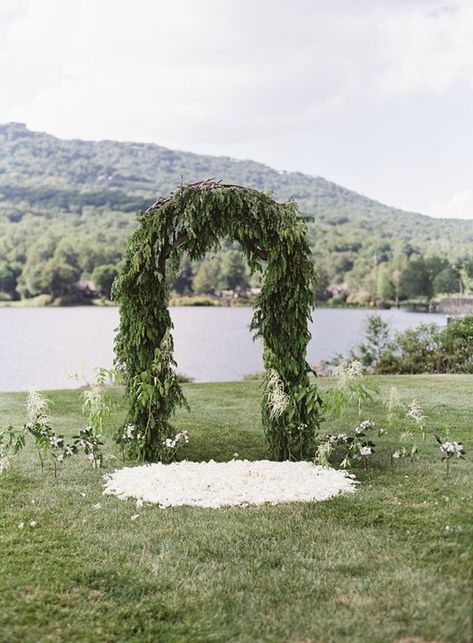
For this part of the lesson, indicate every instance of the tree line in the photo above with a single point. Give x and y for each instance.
(66, 258)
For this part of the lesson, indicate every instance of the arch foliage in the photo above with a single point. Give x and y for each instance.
(194, 220)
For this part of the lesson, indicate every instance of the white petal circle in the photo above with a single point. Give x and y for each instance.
(222, 484)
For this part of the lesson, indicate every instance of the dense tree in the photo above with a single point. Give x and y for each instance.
(103, 278)
(58, 278)
(183, 282)
(415, 279)
(234, 270)
(208, 277)
(446, 281)
(323, 282)
(8, 277)
(386, 289)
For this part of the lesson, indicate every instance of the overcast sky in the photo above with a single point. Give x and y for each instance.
(376, 95)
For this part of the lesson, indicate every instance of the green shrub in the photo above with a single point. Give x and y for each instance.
(425, 349)
(457, 345)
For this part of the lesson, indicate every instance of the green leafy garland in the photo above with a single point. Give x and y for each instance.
(194, 220)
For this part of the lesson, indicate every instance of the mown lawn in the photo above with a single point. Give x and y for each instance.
(388, 563)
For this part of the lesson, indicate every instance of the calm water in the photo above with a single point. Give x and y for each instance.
(48, 348)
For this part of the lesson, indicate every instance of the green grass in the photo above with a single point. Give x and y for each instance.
(388, 563)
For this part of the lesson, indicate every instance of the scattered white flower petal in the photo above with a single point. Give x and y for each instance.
(33, 523)
(21, 525)
(97, 506)
(135, 516)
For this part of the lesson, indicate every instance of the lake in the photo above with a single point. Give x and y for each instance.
(51, 348)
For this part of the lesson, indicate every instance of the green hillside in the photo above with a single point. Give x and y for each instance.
(67, 208)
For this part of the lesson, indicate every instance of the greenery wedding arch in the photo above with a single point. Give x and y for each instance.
(194, 220)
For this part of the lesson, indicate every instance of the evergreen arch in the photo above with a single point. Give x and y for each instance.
(195, 219)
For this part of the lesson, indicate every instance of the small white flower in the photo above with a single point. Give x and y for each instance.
(135, 517)
(21, 525)
(55, 441)
(68, 451)
(366, 451)
(447, 447)
(396, 455)
(33, 523)
(366, 425)
(452, 448)
(60, 457)
(169, 443)
(129, 431)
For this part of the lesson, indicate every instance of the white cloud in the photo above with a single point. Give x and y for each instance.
(458, 206)
(197, 72)
(268, 79)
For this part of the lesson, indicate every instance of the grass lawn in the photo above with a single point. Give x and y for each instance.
(388, 563)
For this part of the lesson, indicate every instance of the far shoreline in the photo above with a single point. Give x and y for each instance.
(176, 302)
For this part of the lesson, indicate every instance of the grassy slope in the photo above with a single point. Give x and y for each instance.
(378, 565)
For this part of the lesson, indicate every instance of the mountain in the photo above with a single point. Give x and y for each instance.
(52, 188)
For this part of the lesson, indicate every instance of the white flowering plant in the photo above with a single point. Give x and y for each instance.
(352, 389)
(90, 442)
(403, 452)
(416, 415)
(97, 402)
(348, 447)
(394, 406)
(49, 444)
(450, 450)
(413, 420)
(130, 440)
(97, 405)
(172, 445)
